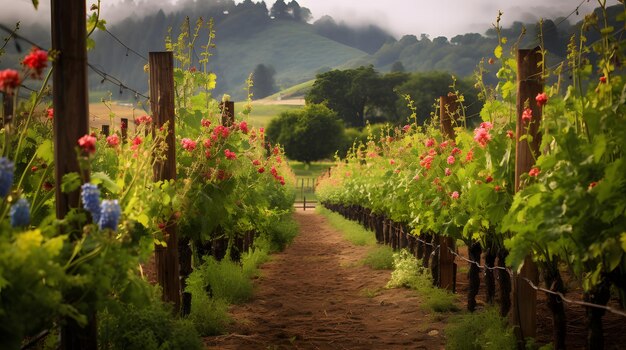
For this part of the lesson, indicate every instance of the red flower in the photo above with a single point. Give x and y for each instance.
(276, 150)
(207, 143)
(9, 80)
(256, 162)
(527, 115)
(470, 155)
(482, 136)
(34, 168)
(188, 144)
(113, 140)
(192, 69)
(451, 160)
(229, 155)
(486, 125)
(406, 128)
(430, 142)
(207, 153)
(497, 188)
(274, 171)
(426, 162)
(261, 170)
(448, 172)
(603, 79)
(541, 99)
(454, 195)
(136, 142)
(488, 179)
(510, 134)
(205, 123)
(444, 144)
(243, 126)
(534, 172)
(88, 144)
(47, 186)
(36, 61)
(50, 113)
(144, 119)
(392, 162)
(456, 151)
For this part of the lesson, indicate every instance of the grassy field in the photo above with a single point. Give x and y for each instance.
(306, 178)
(263, 112)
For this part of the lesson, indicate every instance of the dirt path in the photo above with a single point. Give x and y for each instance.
(317, 295)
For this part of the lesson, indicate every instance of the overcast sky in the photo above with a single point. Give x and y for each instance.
(436, 18)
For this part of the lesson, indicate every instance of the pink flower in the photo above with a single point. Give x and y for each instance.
(88, 144)
(527, 115)
(426, 162)
(392, 162)
(430, 142)
(50, 113)
(534, 172)
(9, 81)
(406, 128)
(444, 144)
(261, 130)
(541, 99)
(188, 144)
(205, 123)
(243, 126)
(432, 152)
(454, 195)
(220, 131)
(456, 151)
(482, 136)
(207, 143)
(276, 151)
(451, 160)
(416, 177)
(136, 142)
(113, 140)
(143, 119)
(448, 172)
(207, 153)
(256, 162)
(229, 155)
(510, 134)
(486, 125)
(36, 61)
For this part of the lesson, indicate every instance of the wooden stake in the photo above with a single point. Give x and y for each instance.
(447, 267)
(529, 85)
(105, 130)
(71, 122)
(162, 105)
(228, 112)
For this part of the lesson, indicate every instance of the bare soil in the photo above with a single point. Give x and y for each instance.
(318, 295)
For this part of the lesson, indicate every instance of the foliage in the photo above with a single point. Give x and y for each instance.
(351, 231)
(264, 84)
(479, 330)
(379, 258)
(310, 134)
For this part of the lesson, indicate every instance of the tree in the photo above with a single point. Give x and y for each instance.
(263, 78)
(309, 134)
(279, 10)
(397, 67)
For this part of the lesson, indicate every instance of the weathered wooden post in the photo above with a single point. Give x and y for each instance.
(71, 122)
(529, 85)
(105, 130)
(162, 105)
(447, 267)
(228, 112)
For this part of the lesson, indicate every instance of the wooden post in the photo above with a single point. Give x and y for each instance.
(105, 130)
(447, 266)
(124, 129)
(529, 84)
(304, 205)
(71, 122)
(162, 105)
(228, 112)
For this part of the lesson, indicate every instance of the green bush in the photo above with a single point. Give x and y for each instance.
(484, 330)
(281, 233)
(379, 258)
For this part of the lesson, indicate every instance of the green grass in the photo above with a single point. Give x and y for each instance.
(262, 114)
(484, 330)
(314, 169)
(296, 91)
(352, 231)
(379, 258)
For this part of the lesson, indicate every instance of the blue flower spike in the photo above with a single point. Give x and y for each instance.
(7, 170)
(91, 200)
(20, 213)
(110, 214)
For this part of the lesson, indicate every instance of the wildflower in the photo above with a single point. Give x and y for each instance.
(113, 140)
(243, 126)
(488, 179)
(444, 144)
(486, 125)
(541, 99)
(534, 172)
(34, 168)
(392, 162)
(188, 144)
(7, 169)
(136, 142)
(9, 81)
(207, 143)
(20, 213)
(482, 136)
(144, 119)
(527, 115)
(207, 153)
(602, 79)
(279, 160)
(430, 142)
(432, 152)
(274, 172)
(220, 131)
(497, 188)
(456, 151)
(426, 162)
(36, 61)
(470, 155)
(406, 128)
(276, 150)
(88, 144)
(256, 162)
(454, 195)
(261, 130)
(451, 160)
(448, 172)
(205, 123)
(261, 170)
(90, 195)
(229, 155)
(109, 215)
(510, 134)
(50, 113)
